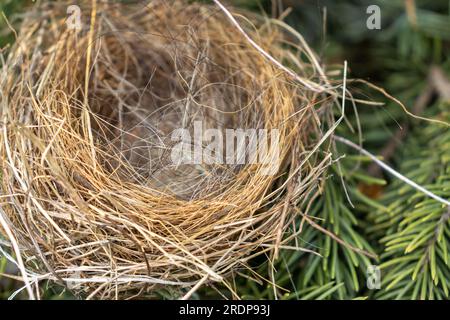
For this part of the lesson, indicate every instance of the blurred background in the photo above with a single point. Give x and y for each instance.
(409, 57)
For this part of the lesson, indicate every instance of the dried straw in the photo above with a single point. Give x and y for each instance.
(89, 197)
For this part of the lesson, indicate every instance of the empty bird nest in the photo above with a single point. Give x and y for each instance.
(97, 195)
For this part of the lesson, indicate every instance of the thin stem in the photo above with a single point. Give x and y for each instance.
(392, 171)
(263, 52)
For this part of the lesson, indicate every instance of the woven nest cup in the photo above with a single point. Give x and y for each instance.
(123, 173)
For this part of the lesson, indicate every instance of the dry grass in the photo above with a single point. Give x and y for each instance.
(89, 197)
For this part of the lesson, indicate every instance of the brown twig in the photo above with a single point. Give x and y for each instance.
(437, 82)
(336, 238)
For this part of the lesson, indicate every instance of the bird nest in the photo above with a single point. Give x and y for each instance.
(128, 155)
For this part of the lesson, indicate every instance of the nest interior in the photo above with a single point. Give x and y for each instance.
(91, 195)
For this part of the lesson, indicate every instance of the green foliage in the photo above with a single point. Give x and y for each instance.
(338, 263)
(414, 229)
(9, 8)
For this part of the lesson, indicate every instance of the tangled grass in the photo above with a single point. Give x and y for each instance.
(89, 197)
